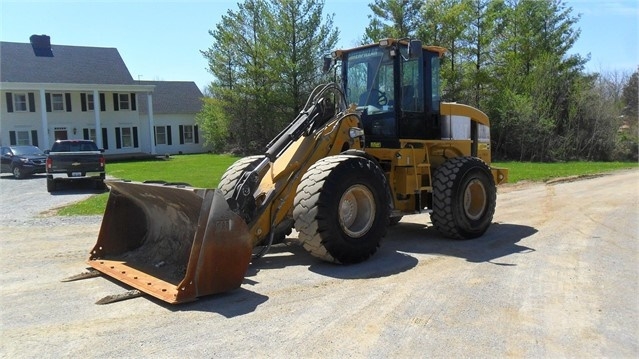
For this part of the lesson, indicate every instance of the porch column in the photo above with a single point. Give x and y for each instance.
(149, 97)
(45, 123)
(98, 125)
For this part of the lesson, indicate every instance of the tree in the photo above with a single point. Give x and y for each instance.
(628, 140)
(630, 95)
(480, 38)
(299, 40)
(393, 18)
(214, 123)
(444, 24)
(238, 59)
(532, 59)
(265, 59)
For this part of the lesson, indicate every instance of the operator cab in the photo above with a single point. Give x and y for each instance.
(395, 85)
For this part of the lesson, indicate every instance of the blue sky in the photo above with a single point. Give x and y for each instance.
(160, 40)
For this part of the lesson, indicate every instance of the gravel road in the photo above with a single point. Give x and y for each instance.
(556, 275)
(25, 202)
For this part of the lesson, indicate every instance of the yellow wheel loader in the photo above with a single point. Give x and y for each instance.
(360, 155)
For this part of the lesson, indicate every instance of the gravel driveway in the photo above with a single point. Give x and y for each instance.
(26, 201)
(555, 276)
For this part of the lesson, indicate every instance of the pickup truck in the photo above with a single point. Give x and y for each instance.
(72, 160)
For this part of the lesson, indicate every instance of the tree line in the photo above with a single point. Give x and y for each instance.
(509, 58)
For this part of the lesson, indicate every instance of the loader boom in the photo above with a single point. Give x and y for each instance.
(314, 114)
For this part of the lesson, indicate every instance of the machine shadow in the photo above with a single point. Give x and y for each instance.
(231, 304)
(393, 257)
(499, 241)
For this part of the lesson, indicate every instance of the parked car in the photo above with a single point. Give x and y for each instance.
(73, 160)
(22, 161)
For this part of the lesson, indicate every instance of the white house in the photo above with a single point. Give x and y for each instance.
(50, 92)
(175, 104)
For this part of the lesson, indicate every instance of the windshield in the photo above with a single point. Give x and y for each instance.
(27, 151)
(369, 82)
(74, 146)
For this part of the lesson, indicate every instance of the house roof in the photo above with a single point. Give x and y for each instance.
(172, 97)
(68, 65)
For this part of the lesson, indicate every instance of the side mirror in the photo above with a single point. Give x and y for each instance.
(46, 152)
(414, 49)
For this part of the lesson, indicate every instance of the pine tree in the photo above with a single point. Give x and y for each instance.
(265, 59)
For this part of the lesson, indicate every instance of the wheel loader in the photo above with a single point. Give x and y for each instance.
(376, 145)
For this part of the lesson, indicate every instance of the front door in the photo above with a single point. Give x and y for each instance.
(60, 133)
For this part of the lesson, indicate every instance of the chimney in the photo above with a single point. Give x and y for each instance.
(41, 45)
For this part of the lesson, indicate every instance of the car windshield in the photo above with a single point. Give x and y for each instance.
(27, 151)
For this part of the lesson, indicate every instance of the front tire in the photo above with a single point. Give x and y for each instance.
(229, 181)
(342, 208)
(17, 172)
(232, 175)
(464, 198)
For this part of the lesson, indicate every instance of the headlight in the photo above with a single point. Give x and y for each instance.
(24, 160)
(355, 132)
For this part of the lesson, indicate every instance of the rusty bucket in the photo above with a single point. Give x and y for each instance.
(175, 243)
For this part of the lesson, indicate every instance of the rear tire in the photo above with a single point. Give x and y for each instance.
(99, 185)
(51, 186)
(342, 208)
(464, 197)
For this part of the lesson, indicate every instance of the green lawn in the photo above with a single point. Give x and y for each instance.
(519, 171)
(205, 170)
(202, 170)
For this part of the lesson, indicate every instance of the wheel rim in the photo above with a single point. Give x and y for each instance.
(16, 172)
(475, 199)
(356, 211)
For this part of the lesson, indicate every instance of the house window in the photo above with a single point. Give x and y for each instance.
(23, 138)
(123, 99)
(160, 135)
(188, 134)
(89, 134)
(127, 137)
(20, 102)
(90, 105)
(57, 102)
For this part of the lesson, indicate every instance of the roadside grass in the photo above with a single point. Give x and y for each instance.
(205, 170)
(527, 171)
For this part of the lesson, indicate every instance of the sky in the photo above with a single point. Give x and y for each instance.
(161, 39)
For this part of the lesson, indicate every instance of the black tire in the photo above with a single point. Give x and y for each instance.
(227, 186)
(17, 172)
(341, 209)
(51, 186)
(99, 185)
(232, 175)
(464, 197)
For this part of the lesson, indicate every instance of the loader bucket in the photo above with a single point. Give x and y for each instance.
(173, 243)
